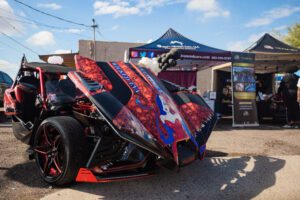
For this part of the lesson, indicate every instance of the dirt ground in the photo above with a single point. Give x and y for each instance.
(19, 178)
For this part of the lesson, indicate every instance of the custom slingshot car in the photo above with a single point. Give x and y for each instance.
(105, 121)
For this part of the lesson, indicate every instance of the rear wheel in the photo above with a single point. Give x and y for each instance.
(59, 149)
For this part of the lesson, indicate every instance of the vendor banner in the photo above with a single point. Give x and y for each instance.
(244, 90)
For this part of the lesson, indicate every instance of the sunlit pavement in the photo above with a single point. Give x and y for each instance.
(258, 177)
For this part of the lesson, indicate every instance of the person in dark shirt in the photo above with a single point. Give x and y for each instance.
(288, 89)
(259, 100)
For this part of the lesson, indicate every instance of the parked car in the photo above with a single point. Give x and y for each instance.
(105, 121)
(5, 82)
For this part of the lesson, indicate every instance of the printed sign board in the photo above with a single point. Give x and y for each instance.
(244, 90)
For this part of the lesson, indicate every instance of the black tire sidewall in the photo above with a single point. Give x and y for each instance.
(74, 144)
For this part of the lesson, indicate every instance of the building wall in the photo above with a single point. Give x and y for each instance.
(105, 51)
(204, 80)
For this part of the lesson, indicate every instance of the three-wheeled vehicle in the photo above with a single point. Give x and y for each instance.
(105, 121)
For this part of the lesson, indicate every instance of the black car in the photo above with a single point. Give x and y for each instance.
(5, 82)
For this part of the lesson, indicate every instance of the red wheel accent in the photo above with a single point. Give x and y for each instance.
(60, 149)
(50, 152)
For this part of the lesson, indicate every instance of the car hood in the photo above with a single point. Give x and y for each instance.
(136, 104)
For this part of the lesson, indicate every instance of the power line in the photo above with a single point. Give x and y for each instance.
(33, 22)
(7, 22)
(39, 24)
(50, 15)
(19, 43)
(7, 45)
(100, 34)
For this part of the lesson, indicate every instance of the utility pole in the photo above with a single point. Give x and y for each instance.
(94, 26)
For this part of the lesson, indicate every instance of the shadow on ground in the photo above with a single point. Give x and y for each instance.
(25, 173)
(217, 177)
(214, 178)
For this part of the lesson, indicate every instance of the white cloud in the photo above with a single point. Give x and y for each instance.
(74, 30)
(119, 8)
(51, 6)
(70, 30)
(62, 51)
(208, 8)
(147, 6)
(149, 41)
(270, 16)
(10, 27)
(281, 28)
(259, 22)
(10, 68)
(115, 8)
(243, 44)
(115, 27)
(43, 38)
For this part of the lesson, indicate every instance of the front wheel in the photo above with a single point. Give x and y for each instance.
(59, 149)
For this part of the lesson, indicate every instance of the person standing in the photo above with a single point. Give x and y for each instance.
(259, 100)
(289, 93)
(298, 85)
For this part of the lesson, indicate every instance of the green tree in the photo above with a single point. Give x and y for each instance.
(293, 36)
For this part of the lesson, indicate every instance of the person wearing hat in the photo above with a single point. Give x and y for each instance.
(289, 93)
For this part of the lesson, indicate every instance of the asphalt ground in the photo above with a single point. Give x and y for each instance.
(261, 163)
(246, 177)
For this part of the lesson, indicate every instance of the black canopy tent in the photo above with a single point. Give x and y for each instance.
(272, 55)
(269, 44)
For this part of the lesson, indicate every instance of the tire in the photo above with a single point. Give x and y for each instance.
(60, 149)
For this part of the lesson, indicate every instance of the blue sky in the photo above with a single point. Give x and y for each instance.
(224, 24)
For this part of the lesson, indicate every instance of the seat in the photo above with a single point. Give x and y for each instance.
(26, 92)
(67, 87)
